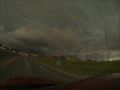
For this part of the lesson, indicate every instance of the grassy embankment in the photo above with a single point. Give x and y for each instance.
(83, 68)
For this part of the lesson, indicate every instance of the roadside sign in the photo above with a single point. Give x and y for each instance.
(58, 62)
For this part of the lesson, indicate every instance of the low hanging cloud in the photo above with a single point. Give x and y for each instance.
(49, 39)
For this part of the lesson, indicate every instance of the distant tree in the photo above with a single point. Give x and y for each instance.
(7, 48)
(12, 49)
(89, 60)
(15, 50)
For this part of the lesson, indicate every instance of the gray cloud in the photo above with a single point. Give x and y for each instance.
(59, 27)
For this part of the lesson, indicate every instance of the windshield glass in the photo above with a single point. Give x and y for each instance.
(64, 41)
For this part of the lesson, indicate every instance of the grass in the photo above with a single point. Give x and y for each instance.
(83, 68)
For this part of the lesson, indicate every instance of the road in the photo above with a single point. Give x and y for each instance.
(17, 65)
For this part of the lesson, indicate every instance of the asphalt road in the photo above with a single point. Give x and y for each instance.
(17, 65)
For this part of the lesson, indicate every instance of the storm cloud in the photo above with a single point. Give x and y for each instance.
(59, 27)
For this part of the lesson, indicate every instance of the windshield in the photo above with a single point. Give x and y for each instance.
(64, 41)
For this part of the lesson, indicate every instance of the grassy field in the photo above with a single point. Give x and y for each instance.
(83, 68)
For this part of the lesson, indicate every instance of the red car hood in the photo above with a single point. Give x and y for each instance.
(105, 82)
(28, 80)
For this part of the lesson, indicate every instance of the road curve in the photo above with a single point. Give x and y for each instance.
(27, 66)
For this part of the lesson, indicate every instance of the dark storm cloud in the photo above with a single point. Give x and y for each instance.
(51, 39)
(59, 27)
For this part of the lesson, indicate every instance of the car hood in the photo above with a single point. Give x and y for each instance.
(28, 80)
(104, 82)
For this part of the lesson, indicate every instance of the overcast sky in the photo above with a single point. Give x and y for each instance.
(56, 27)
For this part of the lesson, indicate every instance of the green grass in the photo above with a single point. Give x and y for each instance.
(83, 68)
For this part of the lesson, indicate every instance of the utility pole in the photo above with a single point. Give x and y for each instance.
(107, 42)
(88, 41)
(93, 40)
(103, 26)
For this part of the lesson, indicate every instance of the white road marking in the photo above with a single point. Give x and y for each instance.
(28, 64)
(59, 70)
(42, 67)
